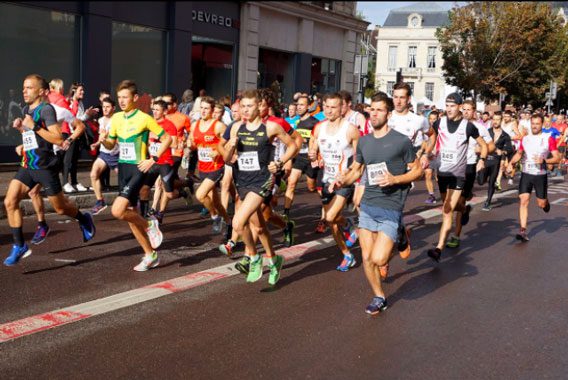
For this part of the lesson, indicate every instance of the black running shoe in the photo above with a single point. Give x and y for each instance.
(465, 215)
(435, 254)
(377, 305)
(547, 207)
(522, 236)
(402, 238)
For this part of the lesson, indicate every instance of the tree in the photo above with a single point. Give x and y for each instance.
(514, 48)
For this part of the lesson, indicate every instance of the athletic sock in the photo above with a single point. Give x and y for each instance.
(144, 207)
(42, 223)
(287, 211)
(18, 235)
(255, 257)
(271, 260)
(81, 218)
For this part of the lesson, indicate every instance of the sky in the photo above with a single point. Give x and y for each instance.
(376, 12)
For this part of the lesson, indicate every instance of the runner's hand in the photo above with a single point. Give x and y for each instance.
(65, 145)
(28, 122)
(509, 169)
(145, 165)
(480, 165)
(272, 167)
(103, 136)
(313, 155)
(232, 143)
(17, 124)
(424, 161)
(387, 179)
(538, 159)
(19, 150)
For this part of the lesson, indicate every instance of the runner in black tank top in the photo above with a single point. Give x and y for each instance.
(252, 141)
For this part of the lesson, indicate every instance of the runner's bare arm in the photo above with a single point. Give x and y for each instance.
(313, 146)
(482, 154)
(79, 129)
(275, 130)
(231, 145)
(353, 136)
(52, 134)
(353, 174)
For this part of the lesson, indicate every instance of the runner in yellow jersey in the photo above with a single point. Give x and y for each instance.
(130, 129)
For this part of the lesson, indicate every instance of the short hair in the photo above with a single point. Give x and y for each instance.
(104, 92)
(160, 103)
(508, 112)
(435, 113)
(332, 95)
(498, 113)
(129, 85)
(471, 103)
(187, 96)
(219, 106)
(346, 96)
(109, 101)
(56, 84)
(267, 95)
(250, 94)
(303, 96)
(382, 97)
(292, 105)
(42, 82)
(225, 101)
(486, 113)
(172, 96)
(403, 86)
(538, 115)
(209, 100)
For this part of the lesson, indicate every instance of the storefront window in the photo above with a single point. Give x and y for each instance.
(276, 71)
(325, 75)
(33, 41)
(138, 54)
(211, 67)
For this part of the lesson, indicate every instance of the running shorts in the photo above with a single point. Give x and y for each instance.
(302, 163)
(470, 175)
(538, 182)
(48, 178)
(130, 181)
(450, 182)
(163, 170)
(111, 160)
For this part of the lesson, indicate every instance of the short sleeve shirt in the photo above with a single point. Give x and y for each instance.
(38, 153)
(132, 133)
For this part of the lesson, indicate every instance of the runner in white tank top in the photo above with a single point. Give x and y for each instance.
(336, 140)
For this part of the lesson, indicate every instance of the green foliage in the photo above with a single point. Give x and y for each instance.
(505, 47)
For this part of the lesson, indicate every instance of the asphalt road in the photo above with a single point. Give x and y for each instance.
(493, 308)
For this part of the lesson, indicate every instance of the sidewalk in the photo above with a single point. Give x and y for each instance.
(85, 200)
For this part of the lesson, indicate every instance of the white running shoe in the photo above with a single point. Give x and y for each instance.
(68, 188)
(154, 233)
(148, 262)
(80, 187)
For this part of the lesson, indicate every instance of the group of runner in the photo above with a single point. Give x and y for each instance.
(347, 158)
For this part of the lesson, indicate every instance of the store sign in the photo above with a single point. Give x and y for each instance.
(211, 18)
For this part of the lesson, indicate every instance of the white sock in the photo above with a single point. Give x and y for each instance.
(255, 257)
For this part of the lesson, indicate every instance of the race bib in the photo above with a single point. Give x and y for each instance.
(304, 149)
(154, 148)
(375, 172)
(30, 141)
(305, 133)
(448, 157)
(127, 151)
(248, 161)
(204, 154)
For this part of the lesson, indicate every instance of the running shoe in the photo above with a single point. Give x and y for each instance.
(522, 236)
(243, 265)
(88, 229)
(486, 207)
(227, 249)
(498, 186)
(350, 233)
(404, 243)
(547, 207)
(384, 271)
(377, 305)
(154, 234)
(454, 242)
(275, 270)
(148, 262)
(16, 254)
(151, 212)
(255, 270)
(81, 188)
(184, 193)
(40, 234)
(99, 207)
(159, 217)
(431, 200)
(347, 263)
(68, 188)
(217, 227)
(465, 215)
(204, 212)
(435, 254)
(321, 227)
(289, 233)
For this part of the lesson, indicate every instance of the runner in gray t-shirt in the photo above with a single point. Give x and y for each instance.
(385, 154)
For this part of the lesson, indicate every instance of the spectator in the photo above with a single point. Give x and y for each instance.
(186, 104)
(196, 111)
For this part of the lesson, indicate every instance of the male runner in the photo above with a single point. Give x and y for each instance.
(252, 139)
(452, 134)
(385, 154)
(129, 128)
(293, 119)
(534, 151)
(336, 140)
(462, 211)
(205, 134)
(40, 131)
(509, 126)
(107, 157)
(429, 171)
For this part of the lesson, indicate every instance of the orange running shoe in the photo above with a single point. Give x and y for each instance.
(384, 271)
(404, 249)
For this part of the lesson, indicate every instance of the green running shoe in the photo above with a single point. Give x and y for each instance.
(243, 265)
(255, 270)
(289, 234)
(454, 242)
(275, 270)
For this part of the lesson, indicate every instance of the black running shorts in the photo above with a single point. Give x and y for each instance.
(303, 163)
(538, 182)
(163, 170)
(48, 178)
(130, 181)
(450, 182)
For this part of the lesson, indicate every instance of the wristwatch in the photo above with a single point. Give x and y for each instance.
(69, 139)
(155, 158)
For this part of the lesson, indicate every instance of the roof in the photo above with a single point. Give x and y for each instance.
(433, 15)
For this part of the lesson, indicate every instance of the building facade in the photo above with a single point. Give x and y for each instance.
(407, 42)
(218, 46)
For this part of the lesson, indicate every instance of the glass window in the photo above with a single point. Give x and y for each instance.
(325, 75)
(276, 71)
(431, 57)
(411, 84)
(412, 57)
(138, 54)
(45, 43)
(429, 90)
(390, 86)
(211, 67)
(393, 51)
